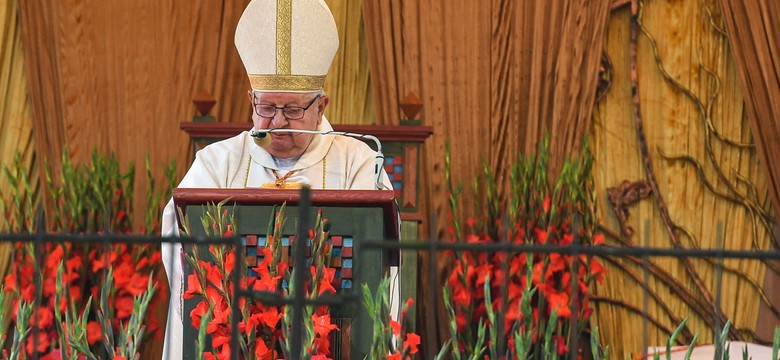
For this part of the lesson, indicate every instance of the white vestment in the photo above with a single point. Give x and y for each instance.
(329, 162)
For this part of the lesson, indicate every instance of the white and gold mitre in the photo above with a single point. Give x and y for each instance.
(287, 45)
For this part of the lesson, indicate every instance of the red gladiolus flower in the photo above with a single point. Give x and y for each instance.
(218, 340)
(120, 215)
(43, 317)
(94, 332)
(320, 345)
(597, 270)
(326, 284)
(411, 342)
(266, 282)
(262, 351)
(322, 325)
(124, 307)
(566, 240)
(137, 284)
(396, 326)
(230, 263)
(271, 317)
(197, 313)
(103, 261)
(560, 342)
(39, 344)
(559, 301)
(598, 239)
(52, 260)
(193, 286)
(541, 236)
(221, 313)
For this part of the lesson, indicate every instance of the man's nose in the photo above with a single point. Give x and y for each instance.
(279, 120)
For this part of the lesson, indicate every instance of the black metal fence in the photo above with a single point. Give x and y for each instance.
(299, 301)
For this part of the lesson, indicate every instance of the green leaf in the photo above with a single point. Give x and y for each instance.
(689, 352)
(672, 338)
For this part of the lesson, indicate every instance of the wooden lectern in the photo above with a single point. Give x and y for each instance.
(355, 216)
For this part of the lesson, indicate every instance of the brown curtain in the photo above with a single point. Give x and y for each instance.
(493, 78)
(16, 124)
(349, 82)
(120, 76)
(755, 39)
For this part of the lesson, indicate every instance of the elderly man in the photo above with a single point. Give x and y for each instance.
(287, 47)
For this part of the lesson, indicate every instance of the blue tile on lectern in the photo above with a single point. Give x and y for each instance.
(347, 263)
(346, 284)
(347, 242)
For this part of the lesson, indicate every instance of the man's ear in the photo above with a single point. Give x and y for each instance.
(249, 95)
(324, 100)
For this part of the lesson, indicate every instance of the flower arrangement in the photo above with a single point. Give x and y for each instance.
(75, 299)
(260, 325)
(265, 327)
(520, 305)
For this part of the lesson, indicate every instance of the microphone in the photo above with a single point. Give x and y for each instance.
(380, 158)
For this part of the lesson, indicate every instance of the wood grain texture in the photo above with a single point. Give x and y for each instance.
(688, 47)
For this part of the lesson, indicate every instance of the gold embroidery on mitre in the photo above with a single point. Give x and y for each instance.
(287, 82)
(283, 37)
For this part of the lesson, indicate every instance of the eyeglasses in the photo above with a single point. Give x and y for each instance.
(289, 112)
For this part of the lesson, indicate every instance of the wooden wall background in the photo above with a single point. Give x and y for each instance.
(493, 77)
(695, 52)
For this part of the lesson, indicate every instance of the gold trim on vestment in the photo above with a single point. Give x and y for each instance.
(286, 82)
(275, 185)
(281, 186)
(283, 37)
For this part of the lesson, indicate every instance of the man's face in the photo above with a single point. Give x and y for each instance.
(287, 145)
